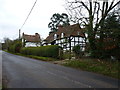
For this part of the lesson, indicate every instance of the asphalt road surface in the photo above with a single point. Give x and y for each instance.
(0, 69)
(22, 72)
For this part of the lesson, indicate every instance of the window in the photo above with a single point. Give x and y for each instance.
(80, 39)
(78, 33)
(55, 36)
(62, 35)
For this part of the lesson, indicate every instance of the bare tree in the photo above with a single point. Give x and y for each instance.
(91, 14)
(7, 42)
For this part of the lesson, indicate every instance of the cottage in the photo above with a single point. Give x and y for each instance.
(67, 37)
(31, 40)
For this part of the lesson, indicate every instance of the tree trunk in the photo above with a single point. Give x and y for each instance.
(91, 38)
(92, 45)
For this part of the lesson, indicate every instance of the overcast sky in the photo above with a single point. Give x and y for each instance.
(14, 12)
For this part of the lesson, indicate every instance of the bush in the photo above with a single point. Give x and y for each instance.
(15, 48)
(106, 53)
(12, 48)
(18, 46)
(44, 51)
(78, 52)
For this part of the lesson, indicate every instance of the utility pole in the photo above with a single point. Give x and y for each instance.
(19, 34)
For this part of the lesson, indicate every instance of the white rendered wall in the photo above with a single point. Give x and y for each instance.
(29, 44)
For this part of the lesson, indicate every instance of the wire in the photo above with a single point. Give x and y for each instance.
(28, 14)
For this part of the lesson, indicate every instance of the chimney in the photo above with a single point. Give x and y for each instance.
(50, 33)
(36, 34)
(23, 34)
(60, 26)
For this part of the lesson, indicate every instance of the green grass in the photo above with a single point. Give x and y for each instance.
(4, 86)
(108, 68)
(41, 58)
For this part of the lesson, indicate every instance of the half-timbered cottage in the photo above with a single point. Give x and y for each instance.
(31, 40)
(67, 37)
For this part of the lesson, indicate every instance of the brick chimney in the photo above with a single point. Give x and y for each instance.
(36, 34)
(60, 26)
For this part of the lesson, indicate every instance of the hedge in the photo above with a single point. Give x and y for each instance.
(44, 51)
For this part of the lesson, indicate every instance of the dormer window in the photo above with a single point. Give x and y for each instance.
(62, 35)
(78, 33)
(55, 36)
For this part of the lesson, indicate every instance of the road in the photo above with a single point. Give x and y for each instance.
(0, 69)
(22, 72)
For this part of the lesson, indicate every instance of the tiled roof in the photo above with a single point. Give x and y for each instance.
(50, 38)
(32, 38)
(71, 30)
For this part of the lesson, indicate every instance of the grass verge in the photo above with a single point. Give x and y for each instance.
(108, 68)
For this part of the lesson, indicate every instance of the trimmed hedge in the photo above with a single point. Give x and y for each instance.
(44, 51)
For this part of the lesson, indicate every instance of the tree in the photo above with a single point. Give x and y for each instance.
(91, 14)
(112, 31)
(112, 21)
(58, 19)
(112, 26)
(7, 42)
(15, 46)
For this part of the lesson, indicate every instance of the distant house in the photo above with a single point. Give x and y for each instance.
(31, 40)
(67, 37)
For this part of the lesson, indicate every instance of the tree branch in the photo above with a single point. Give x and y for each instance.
(98, 12)
(115, 5)
(95, 8)
(103, 7)
(106, 6)
(85, 6)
